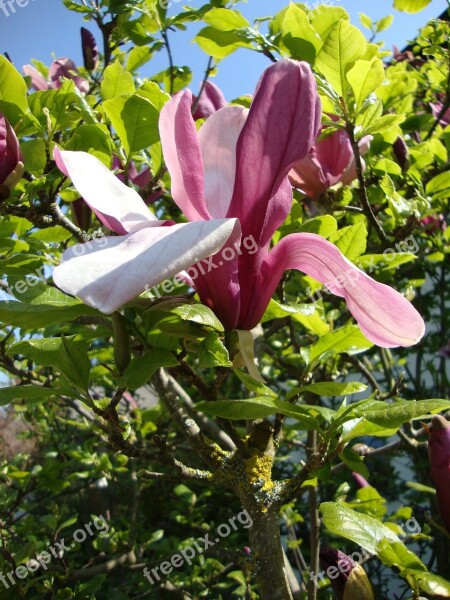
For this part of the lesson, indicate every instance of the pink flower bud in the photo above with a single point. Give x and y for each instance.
(359, 479)
(401, 153)
(11, 160)
(90, 50)
(348, 579)
(439, 455)
(211, 100)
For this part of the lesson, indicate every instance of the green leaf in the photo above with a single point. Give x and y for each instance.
(298, 36)
(275, 310)
(136, 121)
(74, 363)
(13, 92)
(362, 529)
(116, 82)
(213, 353)
(351, 240)
(324, 226)
(365, 21)
(440, 183)
(398, 555)
(355, 463)
(140, 369)
(21, 392)
(254, 385)
(94, 139)
(402, 411)
(220, 44)
(33, 316)
(411, 6)
(196, 313)
(324, 17)
(225, 19)
(253, 408)
(329, 388)
(346, 339)
(35, 157)
(364, 78)
(384, 23)
(138, 56)
(343, 46)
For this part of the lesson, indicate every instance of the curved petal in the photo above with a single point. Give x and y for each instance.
(384, 316)
(182, 155)
(108, 272)
(38, 81)
(116, 205)
(282, 124)
(218, 137)
(308, 176)
(334, 152)
(211, 100)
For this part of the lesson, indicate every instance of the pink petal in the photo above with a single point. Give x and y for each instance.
(108, 272)
(308, 176)
(38, 81)
(218, 137)
(118, 206)
(385, 317)
(217, 280)
(211, 100)
(282, 124)
(182, 155)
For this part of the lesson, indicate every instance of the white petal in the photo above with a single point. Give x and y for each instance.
(118, 206)
(108, 272)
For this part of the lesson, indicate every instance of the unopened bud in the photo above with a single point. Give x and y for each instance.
(401, 153)
(439, 455)
(11, 160)
(90, 50)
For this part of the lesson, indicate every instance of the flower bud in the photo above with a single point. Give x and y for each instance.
(439, 455)
(348, 579)
(90, 50)
(433, 224)
(359, 479)
(11, 160)
(401, 153)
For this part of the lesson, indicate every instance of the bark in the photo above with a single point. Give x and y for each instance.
(266, 546)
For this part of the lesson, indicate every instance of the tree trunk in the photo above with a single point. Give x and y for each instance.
(266, 546)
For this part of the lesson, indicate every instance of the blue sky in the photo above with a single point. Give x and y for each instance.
(39, 28)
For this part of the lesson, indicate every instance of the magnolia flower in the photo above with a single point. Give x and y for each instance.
(11, 159)
(237, 166)
(108, 272)
(61, 67)
(330, 161)
(211, 99)
(89, 49)
(439, 455)
(347, 578)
